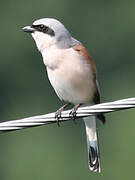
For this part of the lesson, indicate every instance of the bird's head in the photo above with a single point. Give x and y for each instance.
(47, 32)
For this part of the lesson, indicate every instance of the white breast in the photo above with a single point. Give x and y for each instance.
(69, 74)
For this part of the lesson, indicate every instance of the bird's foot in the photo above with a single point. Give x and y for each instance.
(58, 113)
(72, 113)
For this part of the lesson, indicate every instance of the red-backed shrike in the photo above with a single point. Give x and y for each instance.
(72, 74)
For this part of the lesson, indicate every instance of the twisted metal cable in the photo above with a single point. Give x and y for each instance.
(81, 112)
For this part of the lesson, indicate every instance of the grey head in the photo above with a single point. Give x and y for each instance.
(48, 31)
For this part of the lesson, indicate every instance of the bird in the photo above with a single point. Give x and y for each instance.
(73, 75)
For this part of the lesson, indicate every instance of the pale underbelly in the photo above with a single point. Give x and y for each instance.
(73, 88)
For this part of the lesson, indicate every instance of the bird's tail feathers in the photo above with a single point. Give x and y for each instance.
(92, 143)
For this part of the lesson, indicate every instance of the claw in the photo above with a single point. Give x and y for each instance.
(58, 113)
(58, 116)
(72, 113)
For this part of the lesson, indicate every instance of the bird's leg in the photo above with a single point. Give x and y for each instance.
(59, 111)
(73, 111)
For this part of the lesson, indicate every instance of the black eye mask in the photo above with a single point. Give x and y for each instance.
(44, 29)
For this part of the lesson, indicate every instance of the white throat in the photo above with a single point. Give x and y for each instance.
(43, 40)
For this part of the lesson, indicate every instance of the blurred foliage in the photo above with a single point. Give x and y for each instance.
(107, 28)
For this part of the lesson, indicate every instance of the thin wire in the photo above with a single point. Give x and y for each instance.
(81, 112)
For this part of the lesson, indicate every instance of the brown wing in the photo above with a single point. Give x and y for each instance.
(82, 50)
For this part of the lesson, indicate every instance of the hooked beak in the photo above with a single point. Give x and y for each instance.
(28, 29)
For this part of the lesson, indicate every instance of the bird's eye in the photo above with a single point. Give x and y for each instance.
(43, 28)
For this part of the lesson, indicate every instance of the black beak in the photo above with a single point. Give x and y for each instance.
(28, 29)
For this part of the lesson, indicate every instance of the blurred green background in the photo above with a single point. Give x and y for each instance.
(107, 28)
